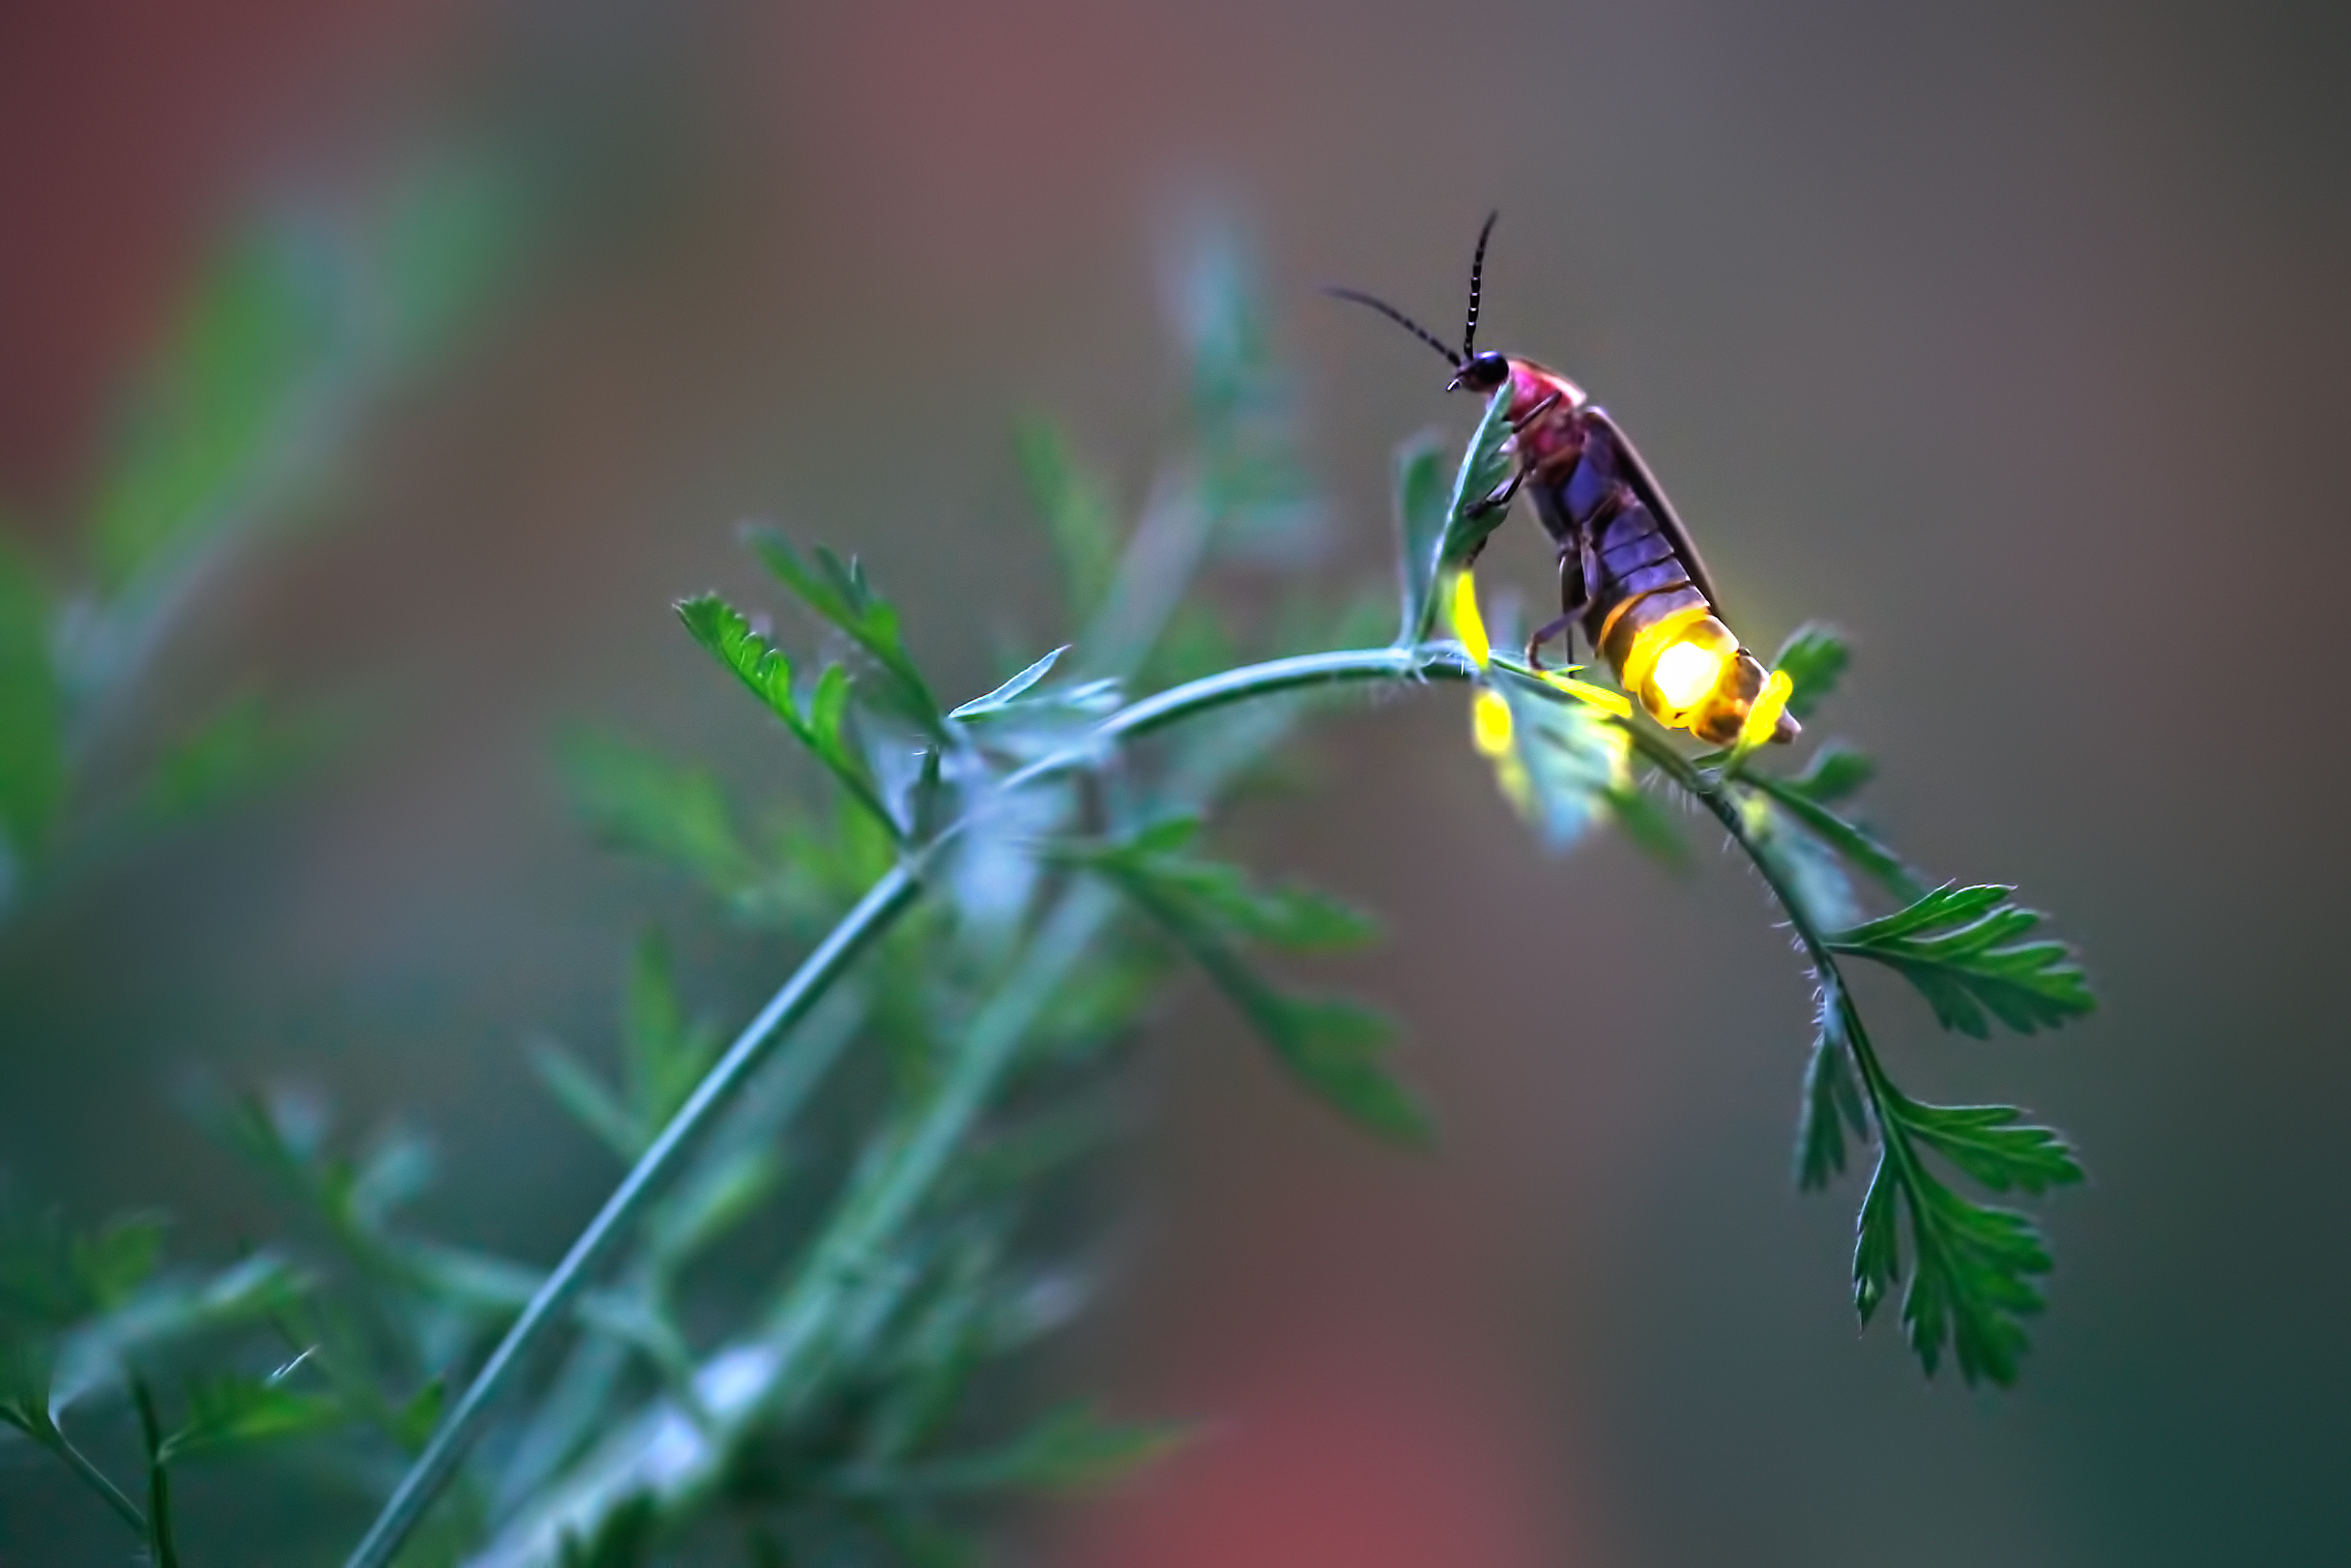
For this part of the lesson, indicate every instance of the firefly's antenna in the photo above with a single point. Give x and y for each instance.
(1477, 271)
(1398, 317)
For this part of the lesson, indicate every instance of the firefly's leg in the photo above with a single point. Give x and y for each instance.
(1589, 559)
(1563, 627)
(1499, 496)
(1574, 594)
(1520, 424)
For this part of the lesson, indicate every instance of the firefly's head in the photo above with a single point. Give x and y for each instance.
(1481, 373)
(1478, 372)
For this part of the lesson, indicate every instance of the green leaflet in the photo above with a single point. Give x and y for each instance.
(728, 634)
(52, 1279)
(1576, 765)
(711, 1203)
(1253, 491)
(1974, 1276)
(637, 799)
(108, 1265)
(838, 592)
(664, 1055)
(1484, 467)
(1975, 1268)
(1422, 514)
(1332, 1046)
(1836, 774)
(1070, 1449)
(233, 1410)
(1809, 866)
(1877, 1259)
(1959, 946)
(1295, 919)
(1005, 696)
(286, 1136)
(447, 241)
(243, 748)
(226, 385)
(32, 715)
(1075, 504)
(412, 1421)
(1436, 528)
(106, 1334)
(1857, 847)
(1338, 1049)
(586, 1100)
(623, 1538)
(1832, 1104)
(1813, 658)
(1993, 1144)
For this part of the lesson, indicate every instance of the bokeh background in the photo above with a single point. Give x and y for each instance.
(2008, 337)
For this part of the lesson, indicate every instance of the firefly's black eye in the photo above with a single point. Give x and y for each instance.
(1484, 372)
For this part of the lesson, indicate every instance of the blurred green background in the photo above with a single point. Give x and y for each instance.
(2008, 337)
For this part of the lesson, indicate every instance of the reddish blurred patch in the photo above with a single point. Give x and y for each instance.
(126, 131)
(1359, 1460)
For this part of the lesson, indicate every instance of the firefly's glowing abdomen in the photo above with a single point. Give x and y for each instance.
(1641, 612)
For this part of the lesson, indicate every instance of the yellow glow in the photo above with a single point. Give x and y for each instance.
(1468, 624)
(1654, 639)
(1490, 731)
(1764, 716)
(1685, 673)
(1490, 727)
(1510, 776)
(1600, 697)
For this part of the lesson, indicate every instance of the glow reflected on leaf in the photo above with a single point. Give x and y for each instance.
(1469, 622)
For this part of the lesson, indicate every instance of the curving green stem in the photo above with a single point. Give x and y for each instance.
(875, 914)
(883, 906)
(1716, 799)
(53, 1437)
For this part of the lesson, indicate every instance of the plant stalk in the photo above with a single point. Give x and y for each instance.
(883, 906)
(161, 1548)
(98, 1481)
(876, 912)
(1817, 950)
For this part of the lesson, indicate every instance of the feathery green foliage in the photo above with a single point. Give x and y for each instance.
(1468, 522)
(819, 725)
(798, 1329)
(1006, 697)
(1814, 658)
(1441, 529)
(32, 715)
(294, 329)
(1422, 509)
(1075, 505)
(1331, 1046)
(835, 1415)
(838, 592)
(1961, 947)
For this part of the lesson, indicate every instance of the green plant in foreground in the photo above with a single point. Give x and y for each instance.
(1018, 870)
(293, 335)
(807, 1342)
(1570, 756)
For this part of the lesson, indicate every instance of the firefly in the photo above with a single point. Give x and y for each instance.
(1629, 577)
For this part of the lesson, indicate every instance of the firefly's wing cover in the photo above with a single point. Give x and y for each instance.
(1644, 485)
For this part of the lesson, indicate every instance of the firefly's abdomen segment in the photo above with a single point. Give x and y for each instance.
(1641, 612)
